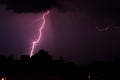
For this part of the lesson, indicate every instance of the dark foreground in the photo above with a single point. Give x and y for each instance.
(41, 66)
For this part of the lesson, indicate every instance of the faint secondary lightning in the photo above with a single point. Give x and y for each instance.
(103, 29)
(34, 43)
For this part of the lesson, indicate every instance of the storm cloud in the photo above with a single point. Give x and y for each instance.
(27, 6)
(100, 8)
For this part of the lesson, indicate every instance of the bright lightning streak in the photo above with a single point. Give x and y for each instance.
(34, 43)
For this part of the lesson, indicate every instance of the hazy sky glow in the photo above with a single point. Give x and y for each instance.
(72, 34)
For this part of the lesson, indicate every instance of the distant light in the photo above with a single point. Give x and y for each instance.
(2, 78)
(89, 77)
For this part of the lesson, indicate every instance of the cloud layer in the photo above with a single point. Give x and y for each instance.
(20, 6)
(100, 9)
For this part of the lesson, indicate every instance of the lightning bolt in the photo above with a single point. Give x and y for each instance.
(34, 43)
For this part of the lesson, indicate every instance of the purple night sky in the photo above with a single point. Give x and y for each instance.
(69, 33)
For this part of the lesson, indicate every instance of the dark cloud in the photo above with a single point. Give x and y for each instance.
(30, 5)
(103, 10)
(110, 8)
(104, 7)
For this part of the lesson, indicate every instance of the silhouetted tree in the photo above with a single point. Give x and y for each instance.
(42, 64)
(42, 56)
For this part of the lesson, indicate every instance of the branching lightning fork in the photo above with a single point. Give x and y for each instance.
(34, 43)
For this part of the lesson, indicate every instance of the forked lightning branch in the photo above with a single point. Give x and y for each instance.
(34, 43)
